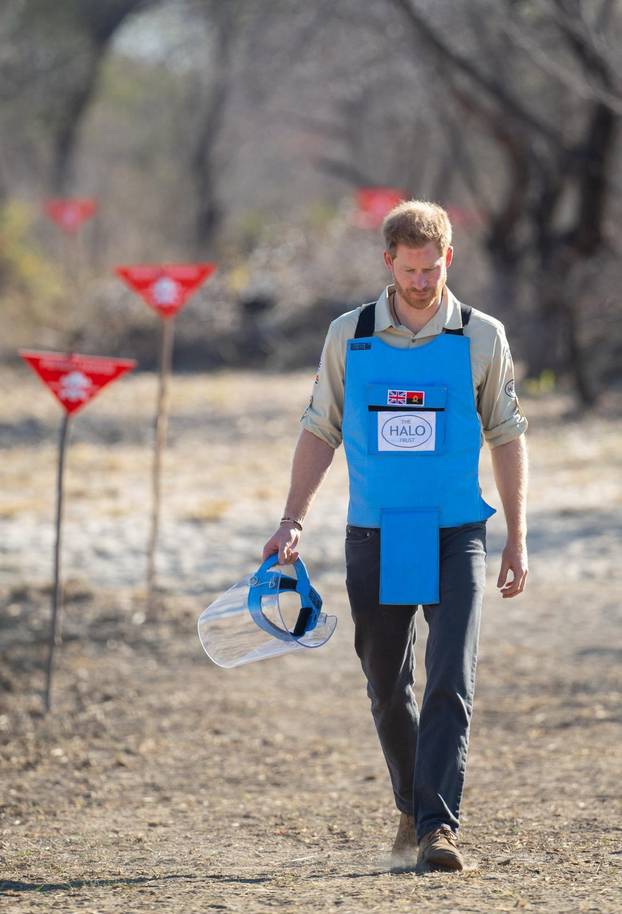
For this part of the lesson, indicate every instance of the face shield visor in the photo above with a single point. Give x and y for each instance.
(264, 615)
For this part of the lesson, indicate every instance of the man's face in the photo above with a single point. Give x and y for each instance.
(419, 274)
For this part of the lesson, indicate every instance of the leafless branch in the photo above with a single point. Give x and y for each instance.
(312, 123)
(588, 45)
(345, 171)
(466, 65)
(558, 71)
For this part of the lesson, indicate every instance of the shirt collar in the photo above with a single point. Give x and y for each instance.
(448, 315)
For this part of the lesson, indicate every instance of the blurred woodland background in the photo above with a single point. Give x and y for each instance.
(238, 131)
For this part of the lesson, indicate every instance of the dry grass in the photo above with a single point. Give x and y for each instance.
(208, 511)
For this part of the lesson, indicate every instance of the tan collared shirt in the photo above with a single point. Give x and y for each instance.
(492, 368)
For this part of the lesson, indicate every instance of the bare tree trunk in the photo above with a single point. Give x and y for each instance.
(205, 171)
(593, 180)
(204, 164)
(66, 137)
(99, 22)
(577, 366)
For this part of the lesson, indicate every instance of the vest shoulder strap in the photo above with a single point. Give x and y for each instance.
(367, 321)
(465, 314)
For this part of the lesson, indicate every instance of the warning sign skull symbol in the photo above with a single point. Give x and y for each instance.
(75, 387)
(165, 291)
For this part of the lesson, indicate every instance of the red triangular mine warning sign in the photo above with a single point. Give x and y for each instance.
(373, 203)
(166, 288)
(70, 212)
(75, 379)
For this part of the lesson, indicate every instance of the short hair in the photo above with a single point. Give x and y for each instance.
(415, 223)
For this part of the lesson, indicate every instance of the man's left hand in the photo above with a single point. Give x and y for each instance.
(514, 559)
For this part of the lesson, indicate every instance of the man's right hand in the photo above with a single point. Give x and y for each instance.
(284, 541)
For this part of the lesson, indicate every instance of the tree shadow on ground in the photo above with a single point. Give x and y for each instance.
(15, 887)
(8, 886)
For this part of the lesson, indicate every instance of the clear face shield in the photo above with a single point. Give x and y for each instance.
(264, 615)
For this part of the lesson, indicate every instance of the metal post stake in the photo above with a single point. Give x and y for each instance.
(56, 591)
(161, 425)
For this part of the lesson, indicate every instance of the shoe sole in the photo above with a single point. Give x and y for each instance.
(452, 866)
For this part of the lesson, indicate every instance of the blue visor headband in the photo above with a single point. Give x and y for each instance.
(267, 583)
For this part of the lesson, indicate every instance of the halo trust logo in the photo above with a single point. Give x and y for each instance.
(406, 431)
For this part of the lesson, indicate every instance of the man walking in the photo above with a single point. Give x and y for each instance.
(411, 384)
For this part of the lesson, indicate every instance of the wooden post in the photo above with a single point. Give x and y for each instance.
(56, 591)
(161, 426)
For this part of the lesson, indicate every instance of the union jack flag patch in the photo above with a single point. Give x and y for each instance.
(406, 397)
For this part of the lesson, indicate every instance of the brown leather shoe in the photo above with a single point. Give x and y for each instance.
(438, 849)
(404, 850)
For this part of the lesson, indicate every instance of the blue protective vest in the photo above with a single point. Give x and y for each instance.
(412, 439)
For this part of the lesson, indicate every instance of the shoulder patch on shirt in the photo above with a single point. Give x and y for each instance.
(510, 389)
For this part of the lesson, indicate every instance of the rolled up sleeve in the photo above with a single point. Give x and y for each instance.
(323, 416)
(502, 417)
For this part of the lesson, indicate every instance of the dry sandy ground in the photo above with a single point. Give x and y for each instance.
(161, 782)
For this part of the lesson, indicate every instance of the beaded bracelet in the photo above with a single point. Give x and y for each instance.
(292, 521)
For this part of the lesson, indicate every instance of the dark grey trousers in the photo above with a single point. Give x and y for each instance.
(426, 751)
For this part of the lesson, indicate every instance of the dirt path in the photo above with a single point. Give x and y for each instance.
(164, 783)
